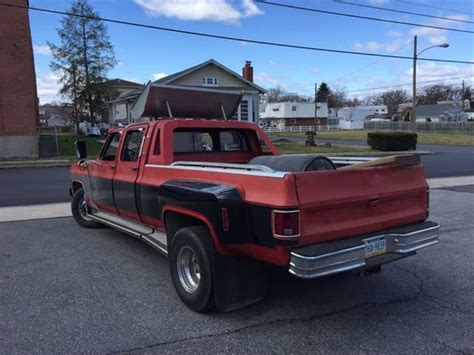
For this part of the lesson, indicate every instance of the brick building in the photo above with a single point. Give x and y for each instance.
(18, 96)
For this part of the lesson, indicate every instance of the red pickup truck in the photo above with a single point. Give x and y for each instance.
(222, 204)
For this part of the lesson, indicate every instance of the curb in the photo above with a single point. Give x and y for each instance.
(34, 164)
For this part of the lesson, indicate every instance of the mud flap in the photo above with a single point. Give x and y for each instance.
(238, 282)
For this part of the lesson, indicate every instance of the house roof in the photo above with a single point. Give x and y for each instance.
(435, 110)
(172, 77)
(123, 83)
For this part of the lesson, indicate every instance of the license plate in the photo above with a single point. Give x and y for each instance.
(374, 247)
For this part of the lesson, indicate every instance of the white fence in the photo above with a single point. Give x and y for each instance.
(434, 127)
(300, 128)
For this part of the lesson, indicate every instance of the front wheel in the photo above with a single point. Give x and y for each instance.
(191, 255)
(80, 211)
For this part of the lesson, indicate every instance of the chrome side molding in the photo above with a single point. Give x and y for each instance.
(153, 237)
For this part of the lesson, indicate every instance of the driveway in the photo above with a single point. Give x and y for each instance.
(64, 289)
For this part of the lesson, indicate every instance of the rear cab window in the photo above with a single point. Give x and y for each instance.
(209, 141)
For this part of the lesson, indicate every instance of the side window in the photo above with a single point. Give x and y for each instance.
(156, 147)
(110, 151)
(132, 145)
(232, 141)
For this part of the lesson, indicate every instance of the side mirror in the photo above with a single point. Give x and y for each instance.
(81, 150)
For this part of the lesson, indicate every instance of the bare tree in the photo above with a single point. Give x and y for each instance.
(278, 94)
(439, 92)
(393, 98)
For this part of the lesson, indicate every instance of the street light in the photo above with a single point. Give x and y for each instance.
(415, 57)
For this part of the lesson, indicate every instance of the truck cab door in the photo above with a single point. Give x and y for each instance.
(101, 173)
(126, 173)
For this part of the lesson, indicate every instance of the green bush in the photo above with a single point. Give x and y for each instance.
(392, 141)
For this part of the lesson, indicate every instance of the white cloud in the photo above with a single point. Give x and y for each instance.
(430, 71)
(266, 79)
(250, 9)
(43, 50)
(158, 76)
(48, 87)
(379, 2)
(199, 10)
(371, 46)
(272, 63)
(315, 71)
(438, 36)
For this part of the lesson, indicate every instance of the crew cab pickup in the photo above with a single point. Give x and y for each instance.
(218, 199)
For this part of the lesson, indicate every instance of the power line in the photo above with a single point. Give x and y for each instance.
(435, 7)
(311, 9)
(409, 84)
(236, 39)
(372, 63)
(401, 11)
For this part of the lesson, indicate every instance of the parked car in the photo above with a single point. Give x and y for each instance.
(93, 132)
(206, 194)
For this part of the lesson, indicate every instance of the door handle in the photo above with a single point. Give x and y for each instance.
(112, 167)
(135, 168)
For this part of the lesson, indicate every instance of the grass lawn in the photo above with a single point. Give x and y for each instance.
(298, 148)
(67, 148)
(361, 135)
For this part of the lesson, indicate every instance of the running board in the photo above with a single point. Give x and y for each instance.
(152, 237)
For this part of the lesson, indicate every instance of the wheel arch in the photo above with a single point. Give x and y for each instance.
(75, 185)
(175, 218)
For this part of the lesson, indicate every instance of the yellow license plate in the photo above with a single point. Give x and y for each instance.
(374, 247)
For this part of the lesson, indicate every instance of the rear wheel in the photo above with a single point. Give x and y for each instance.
(191, 255)
(80, 211)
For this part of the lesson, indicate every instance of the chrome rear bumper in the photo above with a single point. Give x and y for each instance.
(350, 254)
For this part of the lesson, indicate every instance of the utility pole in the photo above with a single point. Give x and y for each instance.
(415, 57)
(315, 105)
(413, 111)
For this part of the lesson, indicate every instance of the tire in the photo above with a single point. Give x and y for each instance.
(191, 255)
(79, 211)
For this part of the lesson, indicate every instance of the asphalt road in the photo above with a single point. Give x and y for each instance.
(64, 289)
(33, 186)
(446, 160)
(30, 186)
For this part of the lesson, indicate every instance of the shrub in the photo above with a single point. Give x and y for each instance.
(392, 141)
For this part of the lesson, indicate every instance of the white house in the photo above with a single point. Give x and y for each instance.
(354, 117)
(285, 114)
(209, 74)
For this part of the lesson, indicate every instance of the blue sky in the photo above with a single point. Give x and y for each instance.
(145, 54)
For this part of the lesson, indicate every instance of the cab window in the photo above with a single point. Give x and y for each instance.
(132, 145)
(110, 150)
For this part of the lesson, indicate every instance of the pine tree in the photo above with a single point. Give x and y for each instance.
(323, 92)
(82, 59)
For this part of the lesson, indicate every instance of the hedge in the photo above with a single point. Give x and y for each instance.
(392, 141)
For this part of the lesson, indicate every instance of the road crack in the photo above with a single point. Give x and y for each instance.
(268, 324)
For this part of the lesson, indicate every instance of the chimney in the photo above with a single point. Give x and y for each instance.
(247, 71)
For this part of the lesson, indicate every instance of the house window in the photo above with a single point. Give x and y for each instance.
(293, 108)
(209, 81)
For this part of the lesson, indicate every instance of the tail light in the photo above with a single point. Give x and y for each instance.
(286, 224)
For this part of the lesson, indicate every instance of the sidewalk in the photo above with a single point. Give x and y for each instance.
(58, 210)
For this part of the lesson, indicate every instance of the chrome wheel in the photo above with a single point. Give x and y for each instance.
(83, 209)
(189, 272)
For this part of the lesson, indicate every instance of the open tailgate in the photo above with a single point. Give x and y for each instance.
(341, 203)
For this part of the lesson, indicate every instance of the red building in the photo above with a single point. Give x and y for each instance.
(18, 96)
